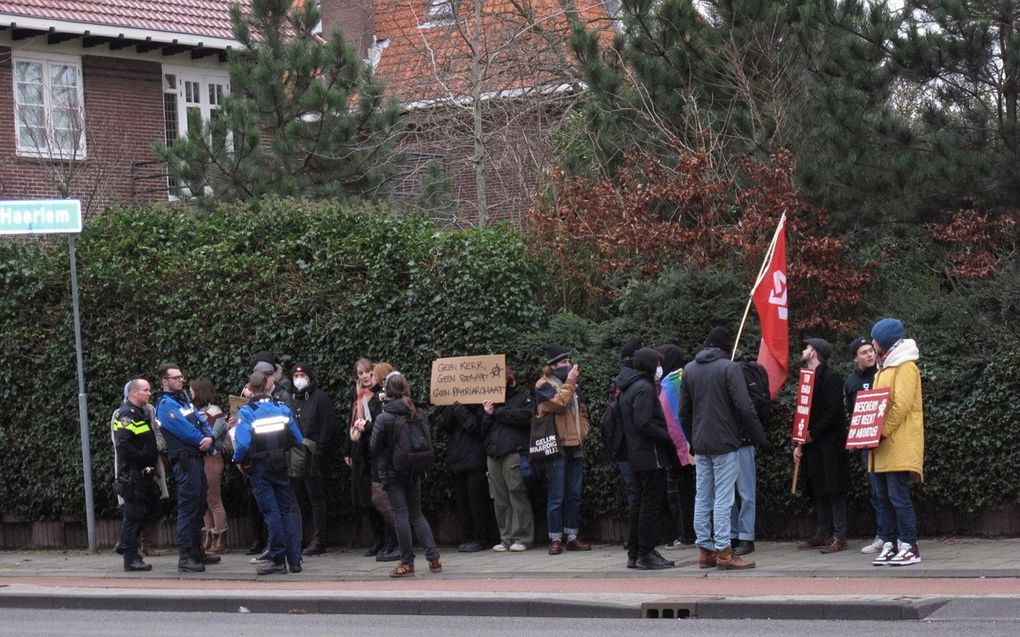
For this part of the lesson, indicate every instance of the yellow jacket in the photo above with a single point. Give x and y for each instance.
(902, 444)
(571, 415)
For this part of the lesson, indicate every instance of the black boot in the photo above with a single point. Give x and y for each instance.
(187, 564)
(136, 564)
(743, 547)
(374, 549)
(315, 548)
(202, 557)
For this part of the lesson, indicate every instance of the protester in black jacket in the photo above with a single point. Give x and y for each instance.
(466, 460)
(506, 429)
(649, 448)
(313, 411)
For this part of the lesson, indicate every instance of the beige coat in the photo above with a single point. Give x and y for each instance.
(572, 423)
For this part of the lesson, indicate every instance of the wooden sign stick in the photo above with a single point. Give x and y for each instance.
(796, 475)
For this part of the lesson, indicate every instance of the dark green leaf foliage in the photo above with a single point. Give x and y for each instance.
(303, 118)
(325, 283)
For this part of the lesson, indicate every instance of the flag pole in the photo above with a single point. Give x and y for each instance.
(757, 282)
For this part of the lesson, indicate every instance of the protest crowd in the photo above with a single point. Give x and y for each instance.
(683, 434)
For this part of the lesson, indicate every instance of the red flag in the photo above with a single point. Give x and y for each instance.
(770, 301)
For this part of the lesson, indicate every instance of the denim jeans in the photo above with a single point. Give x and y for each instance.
(565, 474)
(274, 494)
(742, 516)
(893, 491)
(716, 477)
(405, 498)
(875, 504)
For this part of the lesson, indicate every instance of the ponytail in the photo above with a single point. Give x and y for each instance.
(398, 387)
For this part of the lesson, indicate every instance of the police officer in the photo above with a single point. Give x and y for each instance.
(264, 433)
(137, 458)
(188, 439)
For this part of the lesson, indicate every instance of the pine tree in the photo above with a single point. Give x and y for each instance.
(304, 117)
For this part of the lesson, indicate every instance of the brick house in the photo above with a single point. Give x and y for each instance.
(87, 87)
(484, 94)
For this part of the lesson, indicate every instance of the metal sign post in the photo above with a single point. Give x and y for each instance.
(61, 216)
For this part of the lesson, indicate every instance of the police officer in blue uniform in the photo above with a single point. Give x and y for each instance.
(264, 433)
(188, 439)
(137, 457)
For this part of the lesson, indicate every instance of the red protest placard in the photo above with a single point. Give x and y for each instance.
(802, 413)
(867, 419)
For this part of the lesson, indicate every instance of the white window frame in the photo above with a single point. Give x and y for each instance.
(205, 78)
(439, 13)
(49, 151)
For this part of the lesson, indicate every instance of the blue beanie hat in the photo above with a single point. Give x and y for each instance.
(887, 332)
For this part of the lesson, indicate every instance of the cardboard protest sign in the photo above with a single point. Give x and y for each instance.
(867, 419)
(802, 413)
(468, 380)
(236, 402)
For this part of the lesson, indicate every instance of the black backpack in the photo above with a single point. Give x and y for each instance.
(757, 380)
(611, 425)
(412, 446)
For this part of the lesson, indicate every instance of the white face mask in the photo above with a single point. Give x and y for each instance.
(300, 383)
(658, 373)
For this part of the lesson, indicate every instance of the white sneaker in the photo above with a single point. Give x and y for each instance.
(888, 552)
(874, 547)
(517, 547)
(675, 544)
(907, 555)
(501, 548)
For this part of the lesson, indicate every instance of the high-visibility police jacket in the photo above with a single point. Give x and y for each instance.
(134, 438)
(183, 426)
(265, 430)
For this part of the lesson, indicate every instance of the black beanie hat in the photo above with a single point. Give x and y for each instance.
(672, 357)
(554, 353)
(646, 360)
(856, 344)
(632, 345)
(304, 368)
(719, 337)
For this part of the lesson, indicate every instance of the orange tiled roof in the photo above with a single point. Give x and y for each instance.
(426, 60)
(206, 18)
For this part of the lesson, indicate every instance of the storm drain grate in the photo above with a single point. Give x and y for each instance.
(667, 610)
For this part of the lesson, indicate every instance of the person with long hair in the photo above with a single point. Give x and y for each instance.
(214, 531)
(362, 428)
(365, 406)
(402, 489)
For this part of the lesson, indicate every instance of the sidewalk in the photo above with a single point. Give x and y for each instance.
(786, 584)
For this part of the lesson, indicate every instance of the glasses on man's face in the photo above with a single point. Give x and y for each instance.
(177, 377)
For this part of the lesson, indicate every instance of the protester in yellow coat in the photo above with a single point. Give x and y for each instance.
(899, 458)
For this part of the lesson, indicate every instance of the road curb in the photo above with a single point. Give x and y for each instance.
(448, 606)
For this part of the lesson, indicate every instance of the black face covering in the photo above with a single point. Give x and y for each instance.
(561, 372)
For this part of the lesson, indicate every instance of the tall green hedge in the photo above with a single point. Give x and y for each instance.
(327, 283)
(322, 283)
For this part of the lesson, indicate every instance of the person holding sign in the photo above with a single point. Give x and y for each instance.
(863, 379)
(899, 458)
(823, 456)
(556, 393)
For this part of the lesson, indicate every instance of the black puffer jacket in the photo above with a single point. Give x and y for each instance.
(508, 428)
(644, 425)
(465, 449)
(715, 409)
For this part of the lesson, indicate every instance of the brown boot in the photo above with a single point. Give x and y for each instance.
(727, 561)
(145, 546)
(219, 542)
(706, 558)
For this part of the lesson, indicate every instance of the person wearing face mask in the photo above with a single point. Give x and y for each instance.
(650, 451)
(556, 392)
(506, 428)
(313, 411)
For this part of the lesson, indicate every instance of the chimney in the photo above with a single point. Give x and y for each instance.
(353, 18)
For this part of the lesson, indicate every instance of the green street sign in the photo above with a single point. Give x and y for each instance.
(42, 216)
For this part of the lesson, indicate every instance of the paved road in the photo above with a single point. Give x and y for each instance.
(24, 623)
